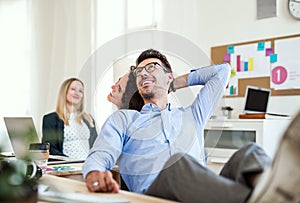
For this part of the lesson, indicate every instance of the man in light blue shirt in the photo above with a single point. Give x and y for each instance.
(160, 149)
(143, 141)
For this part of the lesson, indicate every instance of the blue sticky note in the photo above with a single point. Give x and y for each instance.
(260, 46)
(230, 49)
(273, 58)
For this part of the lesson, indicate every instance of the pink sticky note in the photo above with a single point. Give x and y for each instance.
(269, 51)
(227, 57)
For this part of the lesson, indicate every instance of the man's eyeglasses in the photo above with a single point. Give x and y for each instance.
(150, 67)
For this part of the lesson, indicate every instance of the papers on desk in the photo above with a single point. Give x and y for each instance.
(47, 195)
(56, 159)
(62, 168)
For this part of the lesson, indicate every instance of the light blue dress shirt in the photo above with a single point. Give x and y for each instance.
(141, 142)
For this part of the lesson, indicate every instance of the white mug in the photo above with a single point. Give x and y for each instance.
(23, 166)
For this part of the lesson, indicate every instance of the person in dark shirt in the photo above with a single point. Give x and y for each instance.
(70, 130)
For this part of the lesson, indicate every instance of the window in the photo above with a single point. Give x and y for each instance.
(14, 63)
(140, 14)
(137, 15)
(15, 58)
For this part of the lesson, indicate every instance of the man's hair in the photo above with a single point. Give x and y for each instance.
(131, 98)
(152, 53)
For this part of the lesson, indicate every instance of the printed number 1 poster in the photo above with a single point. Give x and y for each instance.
(285, 70)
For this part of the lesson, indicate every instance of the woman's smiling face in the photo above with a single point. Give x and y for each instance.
(75, 93)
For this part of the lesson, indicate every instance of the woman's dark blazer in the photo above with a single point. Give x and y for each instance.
(53, 133)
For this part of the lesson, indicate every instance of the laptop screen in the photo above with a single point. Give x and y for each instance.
(256, 100)
(21, 132)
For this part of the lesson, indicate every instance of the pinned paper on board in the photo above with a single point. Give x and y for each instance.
(230, 49)
(273, 58)
(260, 46)
(285, 71)
(269, 51)
(227, 57)
(249, 60)
(270, 63)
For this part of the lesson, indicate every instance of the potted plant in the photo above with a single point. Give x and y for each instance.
(18, 181)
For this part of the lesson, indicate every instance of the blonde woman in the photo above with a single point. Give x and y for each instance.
(70, 130)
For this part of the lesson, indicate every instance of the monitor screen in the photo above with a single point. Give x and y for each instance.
(256, 100)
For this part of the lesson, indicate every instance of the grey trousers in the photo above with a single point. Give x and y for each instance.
(185, 180)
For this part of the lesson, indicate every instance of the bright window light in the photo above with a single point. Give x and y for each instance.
(140, 14)
(14, 52)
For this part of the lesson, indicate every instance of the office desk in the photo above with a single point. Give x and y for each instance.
(76, 173)
(65, 185)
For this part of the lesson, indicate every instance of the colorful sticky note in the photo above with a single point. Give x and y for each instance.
(230, 49)
(260, 46)
(269, 51)
(273, 58)
(226, 57)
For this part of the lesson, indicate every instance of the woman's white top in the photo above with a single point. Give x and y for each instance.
(76, 139)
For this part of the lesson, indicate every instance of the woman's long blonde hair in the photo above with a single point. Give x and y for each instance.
(61, 106)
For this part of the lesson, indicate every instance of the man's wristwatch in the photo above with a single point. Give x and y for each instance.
(172, 86)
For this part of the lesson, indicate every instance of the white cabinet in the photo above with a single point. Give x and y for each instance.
(224, 137)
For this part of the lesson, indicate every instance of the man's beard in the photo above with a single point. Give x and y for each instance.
(151, 94)
(147, 96)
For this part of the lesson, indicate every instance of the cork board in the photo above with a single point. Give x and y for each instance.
(217, 56)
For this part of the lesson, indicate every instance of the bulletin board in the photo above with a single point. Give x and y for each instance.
(272, 63)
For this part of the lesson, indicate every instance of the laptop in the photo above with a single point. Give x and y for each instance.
(22, 132)
(256, 100)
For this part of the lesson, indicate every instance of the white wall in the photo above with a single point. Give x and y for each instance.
(205, 23)
(217, 23)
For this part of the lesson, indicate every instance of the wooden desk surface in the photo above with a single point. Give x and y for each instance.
(65, 185)
(73, 169)
(75, 172)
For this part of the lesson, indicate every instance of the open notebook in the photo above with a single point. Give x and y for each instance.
(22, 132)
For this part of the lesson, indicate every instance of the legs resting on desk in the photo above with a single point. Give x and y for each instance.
(249, 176)
(195, 183)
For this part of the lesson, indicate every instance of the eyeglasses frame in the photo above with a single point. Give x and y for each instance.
(134, 68)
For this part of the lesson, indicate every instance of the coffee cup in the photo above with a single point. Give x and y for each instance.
(39, 153)
(24, 168)
(18, 180)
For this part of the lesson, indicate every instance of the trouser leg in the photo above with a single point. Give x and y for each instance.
(186, 180)
(249, 160)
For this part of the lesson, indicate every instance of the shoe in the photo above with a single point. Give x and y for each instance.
(280, 183)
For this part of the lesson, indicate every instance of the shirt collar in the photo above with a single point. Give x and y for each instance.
(152, 107)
